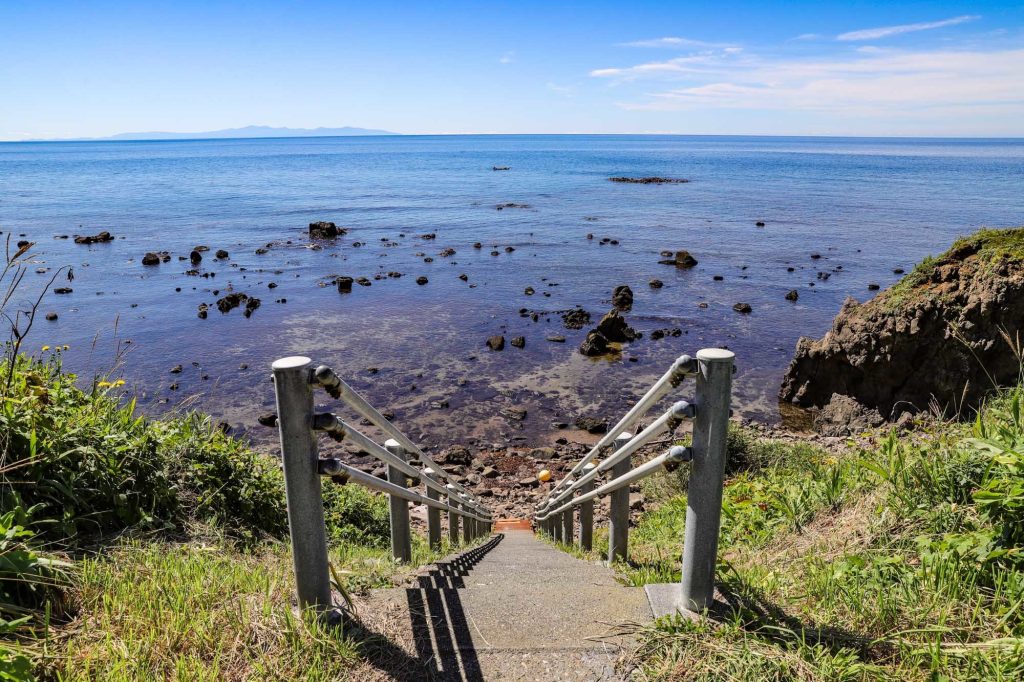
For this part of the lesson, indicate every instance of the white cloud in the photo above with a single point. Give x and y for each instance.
(886, 31)
(507, 58)
(878, 84)
(670, 41)
(694, 63)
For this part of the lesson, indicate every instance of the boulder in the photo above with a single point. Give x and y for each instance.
(576, 319)
(518, 342)
(344, 284)
(844, 416)
(591, 425)
(614, 328)
(151, 259)
(496, 342)
(594, 345)
(325, 230)
(94, 238)
(937, 336)
(681, 259)
(622, 297)
(792, 295)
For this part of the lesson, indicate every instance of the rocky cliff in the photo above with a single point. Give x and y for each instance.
(943, 335)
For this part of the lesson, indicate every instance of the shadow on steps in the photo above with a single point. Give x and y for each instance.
(441, 635)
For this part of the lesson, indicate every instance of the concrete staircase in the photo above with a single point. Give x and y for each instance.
(514, 608)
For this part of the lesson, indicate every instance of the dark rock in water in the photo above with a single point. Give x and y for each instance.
(759, 223)
(742, 308)
(95, 238)
(251, 305)
(260, 251)
(177, 369)
(576, 319)
(614, 328)
(221, 254)
(792, 295)
(594, 345)
(344, 284)
(518, 342)
(203, 310)
(662, 333)
(656, 284)
(363, 282)
(591, 425)
(478, 245)
(63, 290)
(898, 271)
(464, 277)
(325, 230)
(231, 301)
(421, 280)
(445, 253)
(681, 259)
(502, 207)
(151, 259)
(267, 419)
(195, 257)
(500, 168)
(844, 416)
(622, 297)
(496, 342)
(201, 248)
(937, 336)
(718, 278)
(873, 287)
(556, 338)
(51, 316)
(653, 180)
(529, 291)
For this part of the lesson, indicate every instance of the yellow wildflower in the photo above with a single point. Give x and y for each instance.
(46, 348)
(104, 384)
(67, 347)
(119, 382)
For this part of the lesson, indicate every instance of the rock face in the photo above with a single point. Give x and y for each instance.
(938, 335)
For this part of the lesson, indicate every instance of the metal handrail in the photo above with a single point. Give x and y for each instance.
(713, 368)
(666, 422)
(337, 388)
(680, 369)
(675, 455)
(334, 467)
(294, 380)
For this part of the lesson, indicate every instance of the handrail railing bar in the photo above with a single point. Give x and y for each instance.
(683, 366)
(642, 471)
(676, 414)
(333, 424)
(339, 468)
(328, 378)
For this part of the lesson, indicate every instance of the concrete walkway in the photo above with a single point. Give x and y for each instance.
(513, 609)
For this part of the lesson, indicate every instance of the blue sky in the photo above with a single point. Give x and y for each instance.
(70, 69)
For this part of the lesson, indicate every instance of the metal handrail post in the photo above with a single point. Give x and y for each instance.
(433, 518)
(453, 518)
(704, 493)
(401, 537)
(302, 481)
(567, 526)
(587, 512)
(467, 523)
(618, 512)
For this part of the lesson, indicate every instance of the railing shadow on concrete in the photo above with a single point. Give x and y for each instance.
(712, 369)
(409, 467)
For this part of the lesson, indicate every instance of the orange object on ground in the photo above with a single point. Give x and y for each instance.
(512, 524)
(544, 476)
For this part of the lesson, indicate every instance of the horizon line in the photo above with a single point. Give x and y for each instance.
(94, 140)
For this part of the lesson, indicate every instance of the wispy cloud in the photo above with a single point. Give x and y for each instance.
(671, 42)
(883, 84)
(507, 58)
(694, 63)
(886, 31)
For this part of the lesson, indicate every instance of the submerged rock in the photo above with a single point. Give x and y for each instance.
(325, 230)
(496, 342)
(576, 319)
(681, 259)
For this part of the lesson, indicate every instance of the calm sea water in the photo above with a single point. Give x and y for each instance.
(867, 206)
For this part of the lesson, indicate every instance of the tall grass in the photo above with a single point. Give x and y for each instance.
(900, 560)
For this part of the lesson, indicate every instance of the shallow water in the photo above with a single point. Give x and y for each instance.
(866, 206)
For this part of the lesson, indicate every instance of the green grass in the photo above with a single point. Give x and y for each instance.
(900, 560)
(136, 548)
(991, 249)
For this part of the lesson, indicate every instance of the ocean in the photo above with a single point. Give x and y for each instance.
(865, 207)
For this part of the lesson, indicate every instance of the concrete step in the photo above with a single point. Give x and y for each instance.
(515, 609)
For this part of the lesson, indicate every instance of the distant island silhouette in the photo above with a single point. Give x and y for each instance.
(235, 133)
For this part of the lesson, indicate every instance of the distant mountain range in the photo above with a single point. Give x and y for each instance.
(246, 132)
